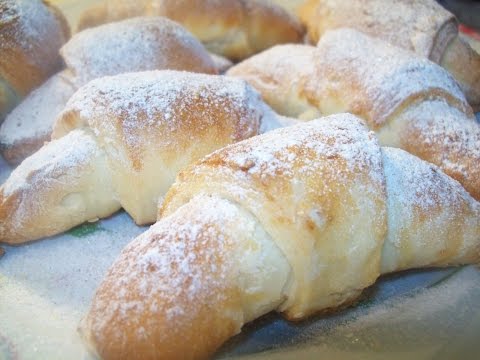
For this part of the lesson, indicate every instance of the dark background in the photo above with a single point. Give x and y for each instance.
(467, 11)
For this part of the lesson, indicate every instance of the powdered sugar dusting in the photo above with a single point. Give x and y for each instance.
(40, 172)
(416, 186)
(234, 28)
(36, 19)
(138, 104)
(169, 272)
(454, 136)
(155, 92)
(417, 26)
(132, 45)
(422, 201)
(296, 180)
(79, 151)
(337, 137)
(270, 72)
(30, 25)
(136, 44)
(34, 117)
(410, 102)
(387, 75)
(347, 72)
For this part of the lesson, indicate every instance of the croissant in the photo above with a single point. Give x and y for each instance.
(132, 45)
(29, 125)
(298, 220)
(410, 102)
(31, 33)
(421, 26)
(120, 142)
(235, 29)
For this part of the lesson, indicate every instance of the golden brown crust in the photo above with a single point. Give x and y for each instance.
(60, 18)
(141, 129)
(193, 115)
(235, 29)
(409, 24)
(15, 153)
(270, 72)
(148, 319)
(292, 6)
(8, 98)
(102, 13)
(128, 46)
(435, 132)
(59, 187)
(304, 209)
(226, 37)
(423, 27)
(463, 63)
(132, 45)
(31, 34)
(290, 180)
(164, 279)
(221, 63)
(432, 220)
(29, 125)
(268, 26)
(352, 72)
(348, 72)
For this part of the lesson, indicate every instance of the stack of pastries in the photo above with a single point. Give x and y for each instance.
(335, 149)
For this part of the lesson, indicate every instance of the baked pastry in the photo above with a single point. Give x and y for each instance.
(29, 125)
(298, 220)
(235, 29)
(31, 32)
(292, 6)
(139, 44)
(131, 45)
(410, 102)
(221, 63)
(421, 26)
(120, 142)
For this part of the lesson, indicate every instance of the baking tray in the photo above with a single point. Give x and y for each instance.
(46, 287)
